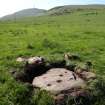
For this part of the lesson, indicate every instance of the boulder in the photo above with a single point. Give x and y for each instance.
(58, 80)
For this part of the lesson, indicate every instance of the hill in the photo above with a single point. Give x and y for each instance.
(25, 13)
(71, 8)
(60, 10)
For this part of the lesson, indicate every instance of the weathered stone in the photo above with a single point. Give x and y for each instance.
(20, 59)
(33, 60)
(58, 80)
(68, 56)
(87, 75)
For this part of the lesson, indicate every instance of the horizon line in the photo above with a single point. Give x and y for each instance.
(55, 7)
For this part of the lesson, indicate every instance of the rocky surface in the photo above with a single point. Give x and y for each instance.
(31, 60)
(62, 78)
(87, 75)
(58, 80)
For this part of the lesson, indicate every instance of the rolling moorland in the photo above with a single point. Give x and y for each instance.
(78, 30)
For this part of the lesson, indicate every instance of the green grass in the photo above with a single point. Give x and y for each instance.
(79, 32)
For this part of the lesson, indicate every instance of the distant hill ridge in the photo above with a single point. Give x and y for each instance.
(69, 8)
(25, 13)
(94, 6)
(59, 9)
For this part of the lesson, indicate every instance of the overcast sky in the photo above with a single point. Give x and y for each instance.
(11, 6)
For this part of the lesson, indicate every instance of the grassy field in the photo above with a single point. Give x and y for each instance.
(80, 32)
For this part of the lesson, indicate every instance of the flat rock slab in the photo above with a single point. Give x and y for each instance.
(57, 80)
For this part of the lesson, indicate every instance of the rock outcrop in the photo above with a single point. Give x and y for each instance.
(62, 78)
(58, 80)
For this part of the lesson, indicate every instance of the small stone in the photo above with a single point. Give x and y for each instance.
(35, 60)
(88, 75)
(68, 56)
(20, 59)
(59, 97)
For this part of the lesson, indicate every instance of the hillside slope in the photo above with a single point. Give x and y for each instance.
(71, 8)
(59, 10)
(25, 13)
